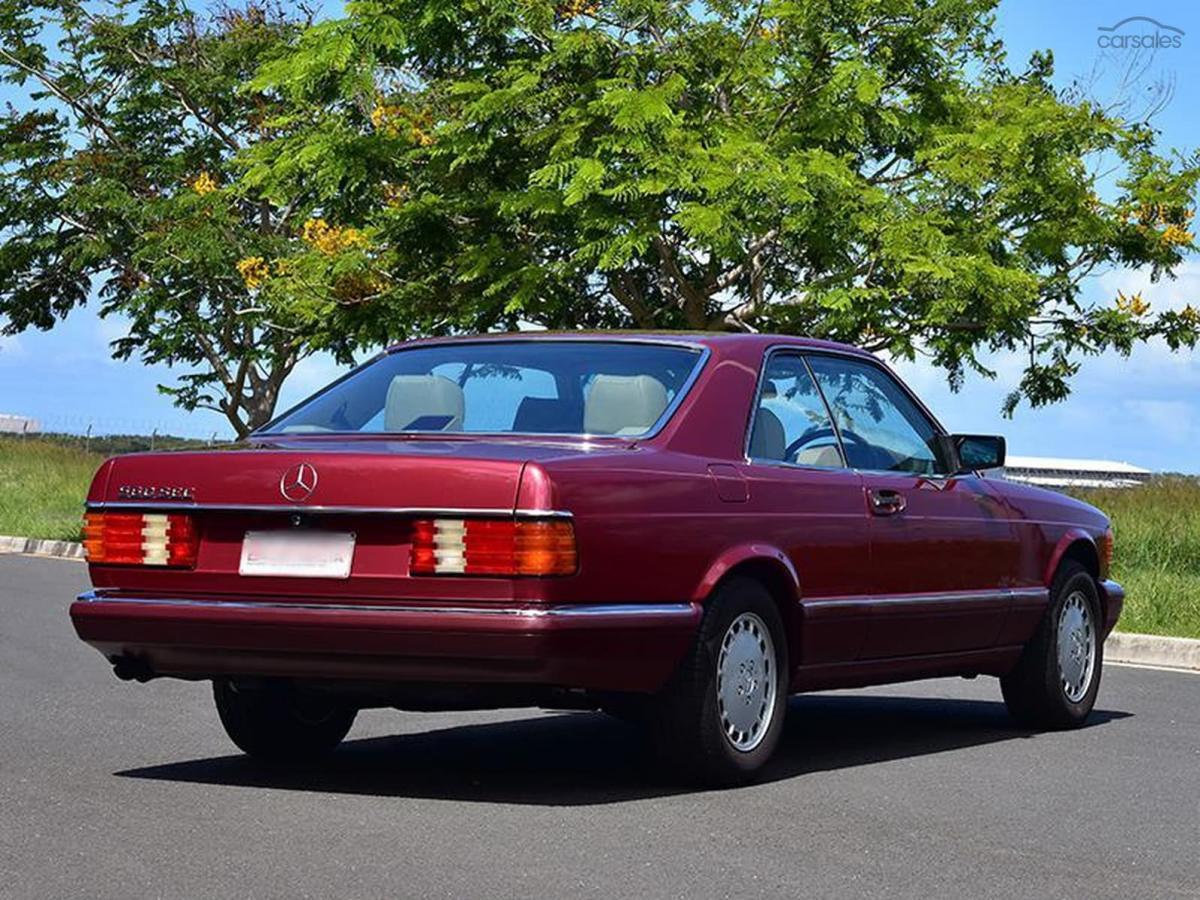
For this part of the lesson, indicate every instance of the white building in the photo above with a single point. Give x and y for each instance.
(1052, 472)
(10, 424)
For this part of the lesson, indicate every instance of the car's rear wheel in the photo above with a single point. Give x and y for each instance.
(276, 723)
(720, 718)
(1056, 681)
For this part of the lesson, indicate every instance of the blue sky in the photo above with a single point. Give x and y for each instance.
(1144, 410)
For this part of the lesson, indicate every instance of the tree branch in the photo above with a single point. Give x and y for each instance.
(695, 300)
(52, 85)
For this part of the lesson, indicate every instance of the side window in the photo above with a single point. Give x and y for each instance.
(791, 423)
(881, 428)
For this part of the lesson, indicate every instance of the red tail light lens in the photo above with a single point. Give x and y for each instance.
(141, 539)
(493, 547)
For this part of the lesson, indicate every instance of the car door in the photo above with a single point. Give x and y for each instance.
(943, 550)
(808, 503)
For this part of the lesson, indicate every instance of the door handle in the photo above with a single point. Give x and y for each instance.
(886, 503)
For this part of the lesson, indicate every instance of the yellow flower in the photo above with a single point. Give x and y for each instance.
(1177, 235)
(572, 8)
(395, 195)
(395, 121)
(204, 184)
(254, 271)
(1132, 304)
(330, 239)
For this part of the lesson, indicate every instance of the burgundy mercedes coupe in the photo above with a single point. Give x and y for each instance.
(682, 529)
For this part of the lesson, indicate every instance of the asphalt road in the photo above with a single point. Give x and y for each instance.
(115, 790)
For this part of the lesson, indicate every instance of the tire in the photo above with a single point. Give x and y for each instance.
(720, 718)
(1053, 690)
(275, 723)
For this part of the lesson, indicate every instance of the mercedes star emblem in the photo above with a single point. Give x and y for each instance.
(298, 482)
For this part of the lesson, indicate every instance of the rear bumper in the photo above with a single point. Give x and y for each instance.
(618, 647)
(1112, 596)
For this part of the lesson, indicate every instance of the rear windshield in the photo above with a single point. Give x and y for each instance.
(520, 387)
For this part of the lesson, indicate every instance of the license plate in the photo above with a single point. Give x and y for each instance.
(297, 554)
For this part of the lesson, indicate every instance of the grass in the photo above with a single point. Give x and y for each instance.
(43, 484)
(1157, 556)
(42, 487)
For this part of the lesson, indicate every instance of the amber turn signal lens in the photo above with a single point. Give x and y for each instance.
(1105, 548)
(140, 539)
(504, 547)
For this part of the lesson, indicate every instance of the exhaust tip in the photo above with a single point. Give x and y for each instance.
(132, 668)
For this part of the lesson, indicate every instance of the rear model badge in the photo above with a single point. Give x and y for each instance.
(155, 492)
(298, 482)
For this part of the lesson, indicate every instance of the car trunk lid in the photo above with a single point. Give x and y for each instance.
(374, 490)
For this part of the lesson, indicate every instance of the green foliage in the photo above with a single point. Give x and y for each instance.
(42, 488)
(1157, 555)
(865, 170)
(117, 181)
(249, 188)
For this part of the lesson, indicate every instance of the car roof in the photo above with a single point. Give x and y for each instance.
(712, 339)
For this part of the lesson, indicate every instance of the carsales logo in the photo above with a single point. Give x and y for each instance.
(1139, 33)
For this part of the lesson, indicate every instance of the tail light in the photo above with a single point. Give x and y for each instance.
(1105, 548)
(493, 547)
(140, 539)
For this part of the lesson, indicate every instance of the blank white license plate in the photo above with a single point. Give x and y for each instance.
(297, 554)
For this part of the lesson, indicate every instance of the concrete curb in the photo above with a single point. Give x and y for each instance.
(1152, 650)
(1121, 647)
(60, 549)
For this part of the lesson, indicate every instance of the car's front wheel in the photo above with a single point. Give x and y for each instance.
(1056, 681)
(720, 718)
(275, 723)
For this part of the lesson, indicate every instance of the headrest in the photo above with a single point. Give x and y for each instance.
(548, 415)
(423, 403)
(623, 404)
(768, 440)
(826, 457)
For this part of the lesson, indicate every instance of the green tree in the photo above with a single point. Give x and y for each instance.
(870, 171)
(117, 181)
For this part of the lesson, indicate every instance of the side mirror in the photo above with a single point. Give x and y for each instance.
(979, 451)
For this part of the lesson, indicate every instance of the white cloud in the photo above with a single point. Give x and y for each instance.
(1166, 293)
(1176, 421)
(11, 347)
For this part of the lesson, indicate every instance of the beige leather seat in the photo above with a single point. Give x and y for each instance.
(768, 440)
(423, 402)
(826, 457)
(623, 404)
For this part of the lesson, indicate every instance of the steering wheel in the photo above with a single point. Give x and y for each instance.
(816, 434)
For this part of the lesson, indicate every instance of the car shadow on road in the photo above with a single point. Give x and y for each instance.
(589, 758)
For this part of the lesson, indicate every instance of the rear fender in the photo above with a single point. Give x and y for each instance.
(733, 557)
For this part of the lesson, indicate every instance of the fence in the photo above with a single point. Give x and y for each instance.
(204, 428)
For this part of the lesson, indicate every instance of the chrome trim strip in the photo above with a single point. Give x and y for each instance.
(331, 510)
(596, 610)
(1030, 593)
(938, 597)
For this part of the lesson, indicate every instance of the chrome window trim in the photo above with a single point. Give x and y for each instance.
(592, 610)
(705, 352)
(938, 428)
(436, 512)
(799, 350)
